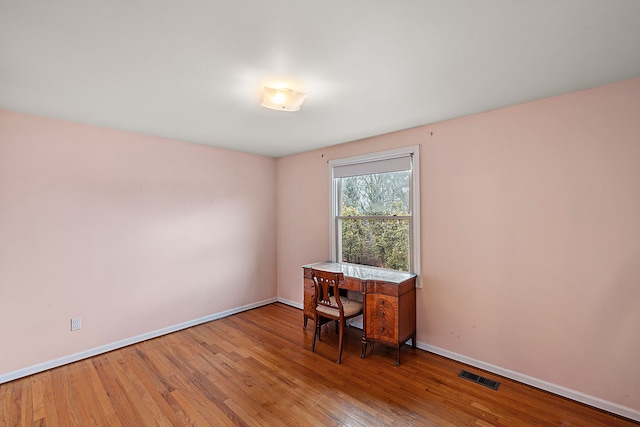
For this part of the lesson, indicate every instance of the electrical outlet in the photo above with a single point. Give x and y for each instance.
(76, 323)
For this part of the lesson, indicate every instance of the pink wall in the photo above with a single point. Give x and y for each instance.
(530, 238)
(132, 233)
(530, 225)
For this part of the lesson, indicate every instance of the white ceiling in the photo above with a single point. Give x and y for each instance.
(193, 70)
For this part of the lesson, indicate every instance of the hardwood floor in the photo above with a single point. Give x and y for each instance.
(255, 369)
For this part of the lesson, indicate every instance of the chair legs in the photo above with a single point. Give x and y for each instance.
(316, 333)
(339, 331)
(341, 327)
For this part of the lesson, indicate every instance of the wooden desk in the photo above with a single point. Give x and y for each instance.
(389, 297)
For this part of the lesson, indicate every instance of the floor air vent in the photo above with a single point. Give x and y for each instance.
(480, 380)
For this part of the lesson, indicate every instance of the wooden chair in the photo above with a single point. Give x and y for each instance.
(330, 305)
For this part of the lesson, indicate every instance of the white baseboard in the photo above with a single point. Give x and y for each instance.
(128, 341)
(291, 303)
(614, 408)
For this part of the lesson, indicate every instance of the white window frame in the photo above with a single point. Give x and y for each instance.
(414, 182)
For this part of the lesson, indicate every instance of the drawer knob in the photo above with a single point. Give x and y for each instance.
(382, 329)
(382, 314)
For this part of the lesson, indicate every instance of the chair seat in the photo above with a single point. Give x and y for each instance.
(350, 307)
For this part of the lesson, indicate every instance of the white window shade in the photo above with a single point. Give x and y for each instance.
(394, 164)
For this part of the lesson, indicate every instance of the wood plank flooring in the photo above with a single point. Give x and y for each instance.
(255, 369)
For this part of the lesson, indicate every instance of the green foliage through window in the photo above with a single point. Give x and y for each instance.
(374, 219)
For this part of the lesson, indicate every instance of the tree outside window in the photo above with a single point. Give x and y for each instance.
(374, 219)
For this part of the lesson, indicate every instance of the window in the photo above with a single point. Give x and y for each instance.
(375, 209)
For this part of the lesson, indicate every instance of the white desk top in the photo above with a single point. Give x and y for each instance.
(363, 272)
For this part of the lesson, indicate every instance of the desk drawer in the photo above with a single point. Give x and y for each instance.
(382, 318)
(353, 284)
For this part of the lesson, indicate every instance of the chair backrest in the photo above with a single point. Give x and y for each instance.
(327, 284)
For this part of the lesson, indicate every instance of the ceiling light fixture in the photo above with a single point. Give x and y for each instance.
(282, 99)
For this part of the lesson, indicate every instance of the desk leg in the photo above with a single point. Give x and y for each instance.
(364, 325)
